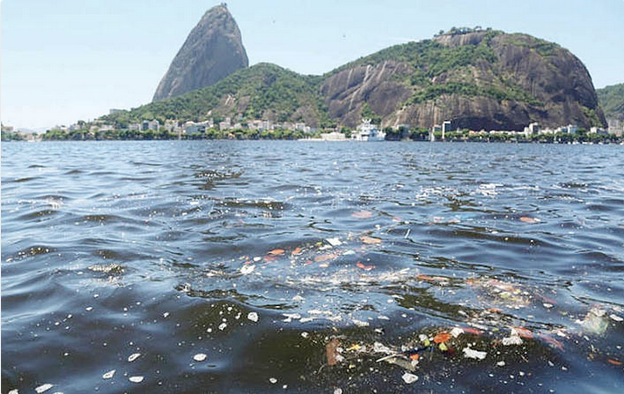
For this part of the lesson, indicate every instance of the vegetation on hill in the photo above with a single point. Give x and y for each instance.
(611, 100)
(253, 92)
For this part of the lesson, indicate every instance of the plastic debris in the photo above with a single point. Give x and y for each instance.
(409, 378)
(442, 337)
(334, 241)
(136, 379)
(615, 317)
(109, 374)
(15, 391)
(272, 380)
(513, 339)
(380, 348)
(253, 316)
(276, 252)
(456, 331)
(247, 269)
(133, 357)
(364, 266)
(527, 219)
(338, 391)
(500, 363)
(360, 323)
(199, 357)
(222, 326)
(471, 353)
(331, 350)
(43, 388)
(370, 240)
(594, 322)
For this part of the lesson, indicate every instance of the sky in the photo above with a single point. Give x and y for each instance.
(65, 60)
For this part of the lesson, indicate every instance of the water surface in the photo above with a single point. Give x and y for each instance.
(268, 257)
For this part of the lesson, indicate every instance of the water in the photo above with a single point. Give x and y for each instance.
(175, 249)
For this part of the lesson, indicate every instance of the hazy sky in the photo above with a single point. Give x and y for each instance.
(64, 60)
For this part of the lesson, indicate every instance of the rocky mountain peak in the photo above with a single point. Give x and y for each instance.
(212, 51)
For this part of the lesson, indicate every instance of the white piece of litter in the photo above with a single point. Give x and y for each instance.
(409, 378)
(334, 241)
(199, 357)
(222, 326)
(512, 340)
(304, 334)
(14, 391)
(456, 331)
(336, 391)
(109, 374)
(470, 353)
(247, 269)
(136, 379)
(43, 388)
(500, 363)
(360, 323)
(273, 380)
(89, 308)
(166, 314)
(615, 317)
(547, 305)
(133, 357)
(253, 316)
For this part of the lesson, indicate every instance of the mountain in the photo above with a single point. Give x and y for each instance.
(212, 51)
(612, 101)
(475, 78)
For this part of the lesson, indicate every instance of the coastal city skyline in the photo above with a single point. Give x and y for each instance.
(68, 61)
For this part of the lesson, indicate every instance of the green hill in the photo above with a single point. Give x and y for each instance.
(612, 101)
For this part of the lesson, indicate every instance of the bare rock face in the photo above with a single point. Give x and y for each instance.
(477, 80)
(212, 51)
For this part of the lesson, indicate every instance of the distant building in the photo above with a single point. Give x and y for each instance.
(134, 127)
(150, 125)
(598, 130)
(333, 136)
(534, 128)
(113, 111)
(171, 125)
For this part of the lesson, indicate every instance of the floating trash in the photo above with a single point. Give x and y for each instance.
(253, 316)
(109, 374)
(200, 357)
(409, 378)
(136, 379)
(43, 388)
(471, 353)
(247, 269)
(133, 357)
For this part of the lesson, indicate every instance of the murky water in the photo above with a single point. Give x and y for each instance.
(191, 267)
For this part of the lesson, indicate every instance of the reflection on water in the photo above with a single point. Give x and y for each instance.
(272, 266)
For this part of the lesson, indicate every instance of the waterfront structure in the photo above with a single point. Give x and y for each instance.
(369, 132)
